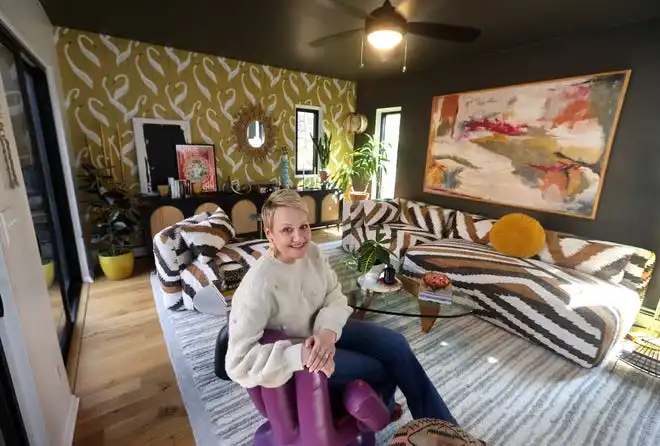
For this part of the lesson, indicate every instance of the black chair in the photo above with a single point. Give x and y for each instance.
(221, 345)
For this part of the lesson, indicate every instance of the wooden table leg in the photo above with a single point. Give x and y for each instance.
(428, 308)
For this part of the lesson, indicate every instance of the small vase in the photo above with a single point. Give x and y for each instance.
(389, 275)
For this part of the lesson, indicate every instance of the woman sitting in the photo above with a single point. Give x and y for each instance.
(294, 289)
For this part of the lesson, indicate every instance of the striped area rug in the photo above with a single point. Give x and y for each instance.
(501, 388)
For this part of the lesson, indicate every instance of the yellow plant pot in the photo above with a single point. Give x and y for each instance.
(49, 273)
(118, 267)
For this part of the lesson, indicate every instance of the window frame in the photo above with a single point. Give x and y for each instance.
(318, 112)
(379, 130)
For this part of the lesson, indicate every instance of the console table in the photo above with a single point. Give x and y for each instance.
(324, 205)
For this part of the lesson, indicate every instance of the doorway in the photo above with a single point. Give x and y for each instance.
(388, 121)
(31, 118)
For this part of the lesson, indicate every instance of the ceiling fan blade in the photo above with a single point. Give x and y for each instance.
(343, 7)
(334, 37)
(444, 32)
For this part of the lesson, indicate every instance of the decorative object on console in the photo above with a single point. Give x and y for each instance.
(196, 163)
(163, 190)
(255, 132)
(285, 179)
(542, 146)
(518, 235)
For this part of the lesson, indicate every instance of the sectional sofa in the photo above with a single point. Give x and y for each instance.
(577, 297)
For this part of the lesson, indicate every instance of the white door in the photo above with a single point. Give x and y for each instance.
(27, 329)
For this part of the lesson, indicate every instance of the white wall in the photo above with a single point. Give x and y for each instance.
(28, 333)
(28, 22)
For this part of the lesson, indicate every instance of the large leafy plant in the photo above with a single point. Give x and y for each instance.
(342, 178)
(369, 160)
(113, 211)
(369, 254)
(362, 166)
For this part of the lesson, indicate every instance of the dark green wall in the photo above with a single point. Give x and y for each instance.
(629, 209)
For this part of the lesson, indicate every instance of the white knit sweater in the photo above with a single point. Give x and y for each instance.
(299, 299)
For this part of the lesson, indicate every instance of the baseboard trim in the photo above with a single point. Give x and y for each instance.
(76, 337)
(71, 421)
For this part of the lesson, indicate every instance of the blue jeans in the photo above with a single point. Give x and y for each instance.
(383, 358)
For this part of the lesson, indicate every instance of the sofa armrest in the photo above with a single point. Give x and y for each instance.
(171, 258)
(353, 215)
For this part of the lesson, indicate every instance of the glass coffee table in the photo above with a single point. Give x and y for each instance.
(403, 300)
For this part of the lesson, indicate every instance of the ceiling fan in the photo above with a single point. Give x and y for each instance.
(385, 27)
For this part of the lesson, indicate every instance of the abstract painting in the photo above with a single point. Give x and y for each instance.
(541, 146)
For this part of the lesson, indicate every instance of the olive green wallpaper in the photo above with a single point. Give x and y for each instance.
(108, 81)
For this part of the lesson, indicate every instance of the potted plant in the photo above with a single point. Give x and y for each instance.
(114, 218)
(322, 146)
(364, 165)
(342, 179)
(369, 160)
(372, 258)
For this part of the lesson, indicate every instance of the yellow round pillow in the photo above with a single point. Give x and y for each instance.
(517, 235)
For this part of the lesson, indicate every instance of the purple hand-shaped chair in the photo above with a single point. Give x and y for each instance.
(299, 414)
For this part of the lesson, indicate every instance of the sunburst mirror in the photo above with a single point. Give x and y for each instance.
(255, 132)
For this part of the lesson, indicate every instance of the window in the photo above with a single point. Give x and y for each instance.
(308, 123)
(387, 130)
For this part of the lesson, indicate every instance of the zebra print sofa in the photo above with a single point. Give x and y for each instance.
(577, 297)
(188, 256)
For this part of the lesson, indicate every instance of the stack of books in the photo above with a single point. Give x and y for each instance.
(442, 296)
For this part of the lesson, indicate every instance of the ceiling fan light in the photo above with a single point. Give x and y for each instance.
(384, 39)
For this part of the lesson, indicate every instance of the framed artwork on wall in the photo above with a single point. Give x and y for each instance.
(542, 146)
(196, 163)
(155, 142)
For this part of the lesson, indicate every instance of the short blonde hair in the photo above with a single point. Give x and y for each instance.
(281, 198)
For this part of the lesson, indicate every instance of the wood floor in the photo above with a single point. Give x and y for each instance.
(126, 384)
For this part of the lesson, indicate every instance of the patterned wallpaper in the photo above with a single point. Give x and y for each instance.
(108, 81)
